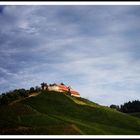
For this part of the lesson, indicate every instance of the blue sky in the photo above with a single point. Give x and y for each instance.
(95, 49)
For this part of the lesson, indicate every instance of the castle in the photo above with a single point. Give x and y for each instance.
(60, 88)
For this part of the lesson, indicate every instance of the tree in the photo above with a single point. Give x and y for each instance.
(32, 90)
(130, 107)
(37, 89)
(43, 86)
(4, 99)
(69, 92)
(23, 92)
(114, 107)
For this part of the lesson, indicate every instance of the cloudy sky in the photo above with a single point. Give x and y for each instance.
(95, 49)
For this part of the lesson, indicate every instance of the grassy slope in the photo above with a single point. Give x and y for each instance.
(137, 114)
(58, 113)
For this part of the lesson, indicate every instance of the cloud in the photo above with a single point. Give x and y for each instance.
(95, 49)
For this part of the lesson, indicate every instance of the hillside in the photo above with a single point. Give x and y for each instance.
(136, 114)
(53, 113)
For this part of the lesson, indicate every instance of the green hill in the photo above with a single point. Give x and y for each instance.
(52, 113)
(136, 114)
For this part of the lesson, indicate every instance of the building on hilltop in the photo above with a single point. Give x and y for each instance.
(60, 88)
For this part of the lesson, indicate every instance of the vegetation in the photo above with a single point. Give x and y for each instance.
(129, 107)
(17, 94)
(114, 107)
(135, 114)
(54, 113)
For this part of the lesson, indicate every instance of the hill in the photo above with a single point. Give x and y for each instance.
(54, 113)
(136, 114)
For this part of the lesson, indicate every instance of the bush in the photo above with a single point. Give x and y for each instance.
(114, 107)
(16, 94)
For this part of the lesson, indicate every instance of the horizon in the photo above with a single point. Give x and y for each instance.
(93, 48)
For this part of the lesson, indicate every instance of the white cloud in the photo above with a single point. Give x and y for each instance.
(90, 48)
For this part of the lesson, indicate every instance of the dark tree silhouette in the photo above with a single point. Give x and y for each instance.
(69, 92)
(32, 90)
(43, 85)
(130, 107)
(114, 107)
(4, 99)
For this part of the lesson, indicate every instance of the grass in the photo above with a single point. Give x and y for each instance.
(57, 113)
(136, 114)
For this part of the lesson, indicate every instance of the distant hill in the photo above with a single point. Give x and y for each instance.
(54, 113)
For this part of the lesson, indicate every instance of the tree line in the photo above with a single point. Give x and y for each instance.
(8, 97)
(128, 107)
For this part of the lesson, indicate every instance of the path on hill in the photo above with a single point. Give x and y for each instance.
(32, 95)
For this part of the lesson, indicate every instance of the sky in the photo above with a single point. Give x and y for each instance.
(93, 48)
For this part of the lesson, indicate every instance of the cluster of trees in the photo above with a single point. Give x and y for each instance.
(43, 85)
(129, 107)
(8, 97)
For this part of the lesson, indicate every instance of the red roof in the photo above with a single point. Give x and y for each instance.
(66, 89)
(63, 87)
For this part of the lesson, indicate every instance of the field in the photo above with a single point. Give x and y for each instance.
(52, 113)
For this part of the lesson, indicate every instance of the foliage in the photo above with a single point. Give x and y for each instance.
(130, 107)
(17, 94)
(135, 114)
(114, 107)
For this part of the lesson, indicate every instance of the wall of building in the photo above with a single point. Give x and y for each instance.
(75, 95)
(60, 88)
(53, 88)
